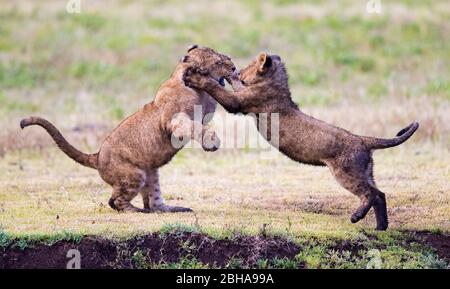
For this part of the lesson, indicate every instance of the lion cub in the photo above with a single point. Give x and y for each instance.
(262, 87)
(130, 156)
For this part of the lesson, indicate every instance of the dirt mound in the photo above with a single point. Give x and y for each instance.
(439, 242)
(97, 252)
(180, 246)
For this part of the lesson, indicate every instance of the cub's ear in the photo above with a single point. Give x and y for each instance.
(192, 47)
(184, 58)
(264, 62)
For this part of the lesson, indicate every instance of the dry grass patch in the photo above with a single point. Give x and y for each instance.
(45, 192)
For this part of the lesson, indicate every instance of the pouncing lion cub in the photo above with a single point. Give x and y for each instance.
(262, 87)
(130, 156)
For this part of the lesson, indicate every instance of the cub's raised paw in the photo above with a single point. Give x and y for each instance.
(210, 141)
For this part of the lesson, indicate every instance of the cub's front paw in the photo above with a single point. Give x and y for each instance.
(210, 141)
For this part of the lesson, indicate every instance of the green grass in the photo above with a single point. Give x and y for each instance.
(120, 34)
(185, 263)
(388, 250)
(65, 197)
(57, 199)
(16, 105)
(17, 75)
(335, 54)
(24, 241)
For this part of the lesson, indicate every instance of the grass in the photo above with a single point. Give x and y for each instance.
(46, 192)
(109, 43)
(102, 64)
(371, 74)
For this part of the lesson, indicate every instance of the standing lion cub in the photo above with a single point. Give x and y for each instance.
(130, 156)
(262, 87)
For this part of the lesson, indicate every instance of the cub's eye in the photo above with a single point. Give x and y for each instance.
(243, 82)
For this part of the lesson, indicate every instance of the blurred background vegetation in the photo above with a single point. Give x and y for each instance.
(369, 73)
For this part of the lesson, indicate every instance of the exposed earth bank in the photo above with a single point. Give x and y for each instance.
(155, 249)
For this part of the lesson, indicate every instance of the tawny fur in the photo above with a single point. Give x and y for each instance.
(130, 156)
(262, 87)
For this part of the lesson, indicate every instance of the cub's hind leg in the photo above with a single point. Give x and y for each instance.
(354, 173)
(152, 192)
(145, 198)
(362, 190)
(379, 207)
(121, 200)
(125, 189)
(367, 197)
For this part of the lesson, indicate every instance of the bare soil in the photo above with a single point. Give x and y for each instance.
(439, 242)
(97, 252)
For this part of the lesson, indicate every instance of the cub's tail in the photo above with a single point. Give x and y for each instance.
(88, 160)
(402, 136)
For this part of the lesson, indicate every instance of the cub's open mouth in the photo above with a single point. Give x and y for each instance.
(222, 81)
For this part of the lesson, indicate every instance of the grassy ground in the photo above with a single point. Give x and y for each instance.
(47, 192)
(371, 74)
(45, 195)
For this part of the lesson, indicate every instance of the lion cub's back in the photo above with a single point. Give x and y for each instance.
(138, 139)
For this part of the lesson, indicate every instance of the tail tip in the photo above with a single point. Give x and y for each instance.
(413, 126)
(24, 122)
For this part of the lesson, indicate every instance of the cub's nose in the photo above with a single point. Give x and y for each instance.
(233, 69)
(233, 77)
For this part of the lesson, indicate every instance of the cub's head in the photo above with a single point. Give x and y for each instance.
(265, 72)
(219, 66)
